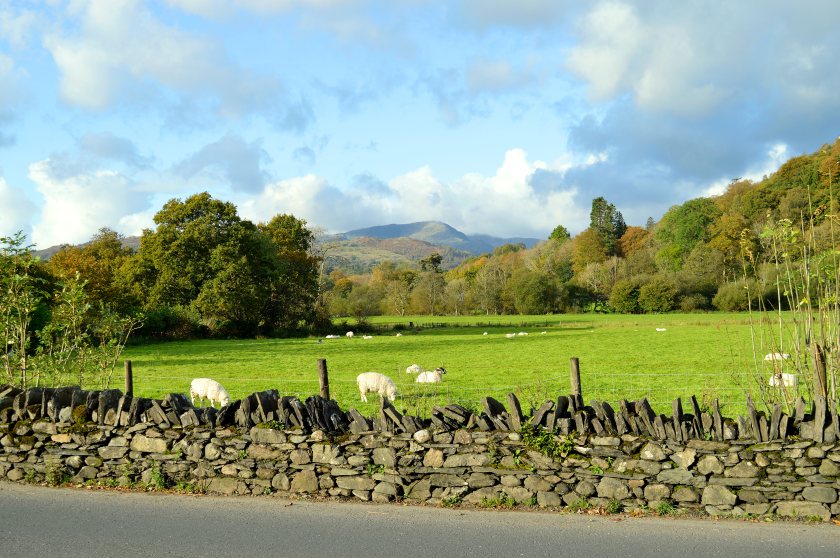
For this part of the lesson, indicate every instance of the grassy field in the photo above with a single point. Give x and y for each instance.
(706, 355)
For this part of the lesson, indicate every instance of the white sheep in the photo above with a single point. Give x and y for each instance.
(209, 389)
(413, 369)
(433, 377)
(510, 335)
(349, 334)
(522, 333)
(374, 382)
(783, 379)
(367, 336)
(333, 337)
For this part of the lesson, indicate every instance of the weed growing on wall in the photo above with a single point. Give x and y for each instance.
(546, 442)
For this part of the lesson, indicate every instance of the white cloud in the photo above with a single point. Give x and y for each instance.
(504, 204)
(121, 45)
(219, 8)
(75, 207)
(15, 209)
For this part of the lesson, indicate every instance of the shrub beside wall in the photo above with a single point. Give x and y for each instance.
(795, 477)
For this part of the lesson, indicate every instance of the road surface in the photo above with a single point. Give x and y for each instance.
(40, 521)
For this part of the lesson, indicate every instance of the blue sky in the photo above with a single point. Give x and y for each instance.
(496, 117)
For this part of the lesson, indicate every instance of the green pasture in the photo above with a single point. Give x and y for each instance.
(707, 355)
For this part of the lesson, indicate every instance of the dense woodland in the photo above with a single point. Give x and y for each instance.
(205, 271)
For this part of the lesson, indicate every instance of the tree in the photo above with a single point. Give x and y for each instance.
(681, 229)
(607, 222)
(533, 293)
(98, 264)
(658, 295)
(624, 297)
(587, 248)
(22, 293)
(203, 256)
(560, 233)
(294, 289)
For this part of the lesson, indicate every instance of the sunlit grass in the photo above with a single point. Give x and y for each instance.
(620, 357)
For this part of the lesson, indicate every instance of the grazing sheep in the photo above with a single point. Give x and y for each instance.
(433, 377)
(399, 335)
(413, 369)
(485, 333)
(522, 333)
(510, 335)
(776, 356)
(209, 389)
(543, 332)
(374, 382)
(333, 337)
(349, 334)
(661, 329)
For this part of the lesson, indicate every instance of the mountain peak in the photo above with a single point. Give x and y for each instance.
(433, 232)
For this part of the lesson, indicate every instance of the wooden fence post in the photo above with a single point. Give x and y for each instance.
(129, 380)
(819, 370)
(323, 378)
(574, 378)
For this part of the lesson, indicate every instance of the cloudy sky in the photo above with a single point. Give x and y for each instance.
(495, 116)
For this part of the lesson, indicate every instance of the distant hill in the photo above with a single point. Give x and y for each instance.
(441, 234)
(358, 251)
(132, 242)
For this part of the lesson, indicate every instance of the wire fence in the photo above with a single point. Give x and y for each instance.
(660, 389)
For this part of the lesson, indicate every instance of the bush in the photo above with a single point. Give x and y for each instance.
(694, 303)
(624, 297)
(171, 323)
(658, 295)
(731, 297)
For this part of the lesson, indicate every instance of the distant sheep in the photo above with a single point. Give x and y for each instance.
(399, 335)
(333, 337)
(205, 388)
(413, 369)
(349, 334)
(661, 329)
(510, 335)
(776, 356)
(522, 333)
(374, 382)
(433, 377)
(367, 336)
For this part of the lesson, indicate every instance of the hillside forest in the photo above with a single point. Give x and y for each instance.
(204, 271)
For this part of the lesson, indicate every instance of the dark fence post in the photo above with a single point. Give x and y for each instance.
(129, 380)
(574, 378)
(323, 378)
(820, 387)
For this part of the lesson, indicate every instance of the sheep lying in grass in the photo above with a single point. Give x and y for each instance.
(413, 369)
(783, 379)
(205, 388)
(374, 382)
(433, 377)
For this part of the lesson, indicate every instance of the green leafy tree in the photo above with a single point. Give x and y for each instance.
(624, 297)
(203, 256)
(560, 233)
(294, 286)
(22, 293)
(658, 295)
(533, 293)
(607, 222)
(681, 229)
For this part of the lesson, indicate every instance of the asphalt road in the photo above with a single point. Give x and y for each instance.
(39, 521)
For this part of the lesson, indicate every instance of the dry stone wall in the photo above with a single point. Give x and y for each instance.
(451, 460)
